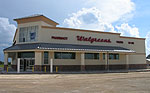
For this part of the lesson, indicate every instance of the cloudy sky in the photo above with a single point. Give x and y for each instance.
(128, 17)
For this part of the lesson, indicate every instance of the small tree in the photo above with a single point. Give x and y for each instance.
(1, 62)
(148, 57)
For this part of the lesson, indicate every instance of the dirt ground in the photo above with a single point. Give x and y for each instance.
(135, 82)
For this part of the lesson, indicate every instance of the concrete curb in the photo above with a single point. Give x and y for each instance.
(82, 72)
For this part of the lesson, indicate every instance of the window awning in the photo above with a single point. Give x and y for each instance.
(67, 47)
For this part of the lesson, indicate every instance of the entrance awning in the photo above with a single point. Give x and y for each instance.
(68, 47)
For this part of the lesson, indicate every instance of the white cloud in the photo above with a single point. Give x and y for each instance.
(102, 14)
(84, 16)
(89, 18)
(7, 32)
(127, 30)
(113, 10)
(148, 43)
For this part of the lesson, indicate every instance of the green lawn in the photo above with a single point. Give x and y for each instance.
(1, 65)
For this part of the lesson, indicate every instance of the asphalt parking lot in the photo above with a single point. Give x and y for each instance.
(134, 82)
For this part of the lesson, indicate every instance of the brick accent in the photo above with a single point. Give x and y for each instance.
(47, 68)
(14, 67)
(98, 67)
(83, 67)
(67, 67)
(37, 68)
(62, 68)
(117, 67)
(137, 66)
(106, 67)
(89, 67)
(94, 67)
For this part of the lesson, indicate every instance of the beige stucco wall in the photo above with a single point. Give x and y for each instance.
(138, 46)
(47, 33)
(137, 59)
(77, 61)
(38, 58)
(44, 35)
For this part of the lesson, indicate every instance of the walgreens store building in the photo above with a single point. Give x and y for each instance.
(38, 44)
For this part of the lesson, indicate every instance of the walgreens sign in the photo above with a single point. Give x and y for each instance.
(91, 39)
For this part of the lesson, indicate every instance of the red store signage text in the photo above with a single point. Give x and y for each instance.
(91, 40)
(58, 37)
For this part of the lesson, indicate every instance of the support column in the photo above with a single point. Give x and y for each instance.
(38, 61)
(82, 62)
(127, 62)
(18, 66)
(51, 57)
(107, 61)
(51, 65)
(5, 60)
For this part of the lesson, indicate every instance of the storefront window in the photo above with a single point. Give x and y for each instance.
(26, 55)
(103, 56)
(64, 55)
(46, 57)
(112, 56)
(28, 34)
(91, 55)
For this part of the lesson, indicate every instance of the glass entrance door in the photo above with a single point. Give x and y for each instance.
(26, 64)
(29, 64)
